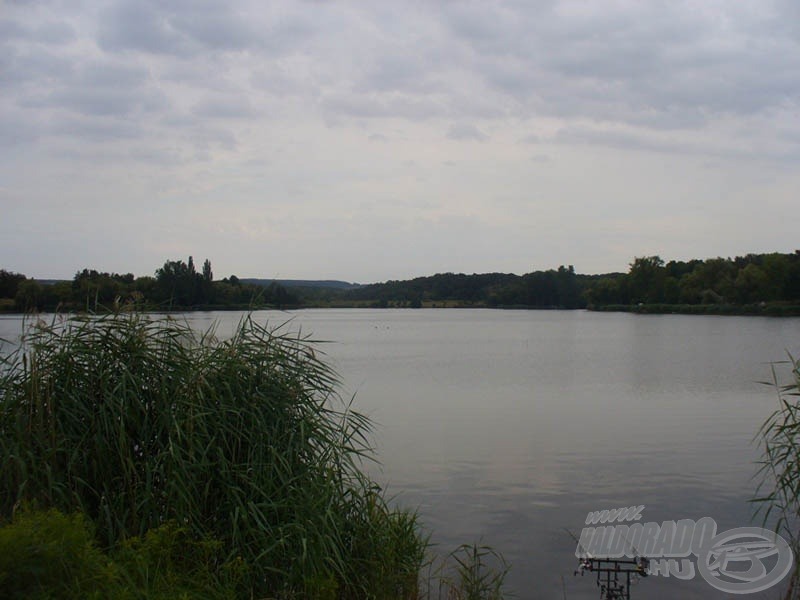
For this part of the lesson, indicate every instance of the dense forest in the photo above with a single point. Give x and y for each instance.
(177, 285)
(751, 284)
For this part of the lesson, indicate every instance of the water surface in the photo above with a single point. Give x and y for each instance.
(509, 426)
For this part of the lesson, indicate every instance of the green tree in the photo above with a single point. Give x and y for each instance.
(605, 291)
(777, 268)
(752, 284)
(567, 288)
(711, 282)
(647, 278)
(92, 289)
(9, 282)
(30, 296)
(178, 283)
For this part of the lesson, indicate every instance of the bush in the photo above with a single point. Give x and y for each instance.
(46, 554)
(50, 555)
(138, 422)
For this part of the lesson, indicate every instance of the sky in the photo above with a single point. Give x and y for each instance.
(368, 141)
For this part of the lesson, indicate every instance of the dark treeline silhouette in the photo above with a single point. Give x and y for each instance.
(542, 289)
(754, 283)
(176, 285)
(754, 279)
(750, 284)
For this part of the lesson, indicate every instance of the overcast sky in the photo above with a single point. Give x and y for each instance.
(381, 140)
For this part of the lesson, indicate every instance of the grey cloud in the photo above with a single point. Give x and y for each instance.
(11, 30)
(184, 28)
(658, 65)
(15, 129)
(382, 106)
(22, 66)
(55, 33)
(404, 72)
(139, 26)
(199, 133)
(629, 63)
(132, 151)
(108, 74)
(490, 27)
(466, 131)
(96, 128)
(96, 87)
(292, 76)
(103, 101)
(231, 106)
(645, 141)
(49, 32)
(162, 29)
(618, 139)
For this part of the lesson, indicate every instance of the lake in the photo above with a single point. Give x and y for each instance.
(510, 426)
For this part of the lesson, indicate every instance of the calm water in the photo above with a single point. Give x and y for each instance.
(509, 426)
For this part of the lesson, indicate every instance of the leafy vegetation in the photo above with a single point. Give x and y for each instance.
(542, 289)
(140, 423)
(778, 492)
(753, 280)
(47, 554)
(752, 284)
(177, 285)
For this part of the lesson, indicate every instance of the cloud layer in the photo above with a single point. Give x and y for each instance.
(369, 141)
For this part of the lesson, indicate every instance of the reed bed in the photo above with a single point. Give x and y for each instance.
(139, 422)
(778, 491)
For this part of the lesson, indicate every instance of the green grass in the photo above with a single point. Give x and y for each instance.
(136, 423)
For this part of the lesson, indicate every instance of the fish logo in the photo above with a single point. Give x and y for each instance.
(745, 560)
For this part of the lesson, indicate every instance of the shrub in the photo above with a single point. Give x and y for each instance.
(50, 555)
(138, 422)
(46, 554)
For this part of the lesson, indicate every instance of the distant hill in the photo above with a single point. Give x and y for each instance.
(52, 281)
(306, 283)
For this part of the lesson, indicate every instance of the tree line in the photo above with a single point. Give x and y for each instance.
(559, 288)
(754, 280)
(753, 283)
(750, 284)
(175, 285)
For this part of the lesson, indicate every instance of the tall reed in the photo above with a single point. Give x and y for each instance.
(137, 422)
(778, 491)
